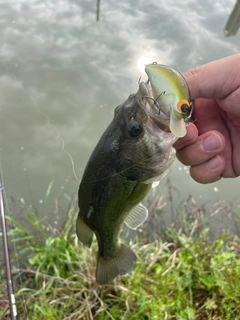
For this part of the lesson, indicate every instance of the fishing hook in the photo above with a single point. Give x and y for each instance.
(188, 118)
(154, 102)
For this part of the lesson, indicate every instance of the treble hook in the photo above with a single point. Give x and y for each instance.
(188, 118)
(154, 102)
(161, 94)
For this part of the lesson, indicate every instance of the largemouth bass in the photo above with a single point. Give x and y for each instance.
(133, 153)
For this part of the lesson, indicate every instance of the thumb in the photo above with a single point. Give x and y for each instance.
(216, 79)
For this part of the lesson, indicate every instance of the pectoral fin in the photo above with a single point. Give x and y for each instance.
(177, 126)
(84, 233)
(136, 216)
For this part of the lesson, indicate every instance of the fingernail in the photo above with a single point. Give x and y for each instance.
(212, 142)
(214, 163)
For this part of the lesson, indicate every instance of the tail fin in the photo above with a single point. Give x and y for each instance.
(84, 233)
(110, 268)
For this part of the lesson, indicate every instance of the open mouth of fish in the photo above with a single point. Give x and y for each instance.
(157, 119)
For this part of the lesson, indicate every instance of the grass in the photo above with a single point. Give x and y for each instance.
(185, 276)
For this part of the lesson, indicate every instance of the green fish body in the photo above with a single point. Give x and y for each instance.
(132, 153)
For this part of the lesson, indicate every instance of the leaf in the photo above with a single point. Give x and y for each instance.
(48, 190)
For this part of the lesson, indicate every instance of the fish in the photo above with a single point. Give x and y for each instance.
(168, 89)
(132, 155)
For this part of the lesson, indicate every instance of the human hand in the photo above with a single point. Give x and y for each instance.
(212, 144)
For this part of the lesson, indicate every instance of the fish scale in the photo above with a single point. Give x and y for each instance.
(134, 152)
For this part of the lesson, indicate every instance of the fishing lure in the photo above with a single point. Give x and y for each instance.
(167, 90)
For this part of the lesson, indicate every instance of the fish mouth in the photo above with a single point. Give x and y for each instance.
(156, 128)
(156, 118)
(160, 120)
(152, 108)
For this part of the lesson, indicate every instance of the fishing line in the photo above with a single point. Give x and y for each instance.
(11, 296)
(48, 122)
(12, 310)
(29, 188)
(118, 173)
(14, 244)
(58, 136)
(70, 157)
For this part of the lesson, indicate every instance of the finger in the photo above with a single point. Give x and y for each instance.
(230, 104)
(189, 138)
(216, 79)
(209, 171)
(206, 147)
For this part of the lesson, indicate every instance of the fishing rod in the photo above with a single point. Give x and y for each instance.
(11, 296)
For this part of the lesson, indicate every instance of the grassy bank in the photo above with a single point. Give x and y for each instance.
(184, 276)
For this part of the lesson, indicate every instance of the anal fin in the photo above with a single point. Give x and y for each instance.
(84, 233)
(137, 216)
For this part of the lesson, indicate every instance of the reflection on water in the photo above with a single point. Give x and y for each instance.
(233, 22)
(98, 10)
(62, 74)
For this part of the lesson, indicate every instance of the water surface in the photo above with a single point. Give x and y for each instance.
(62, 73)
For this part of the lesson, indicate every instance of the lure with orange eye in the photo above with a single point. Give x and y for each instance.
(170, 90)
(184, 107)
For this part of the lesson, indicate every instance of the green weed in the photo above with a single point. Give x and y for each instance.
(188, 276)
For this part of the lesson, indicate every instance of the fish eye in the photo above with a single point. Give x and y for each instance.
(184, 107)
(135, 130)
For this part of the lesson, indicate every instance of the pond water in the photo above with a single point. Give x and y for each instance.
(62, 73)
